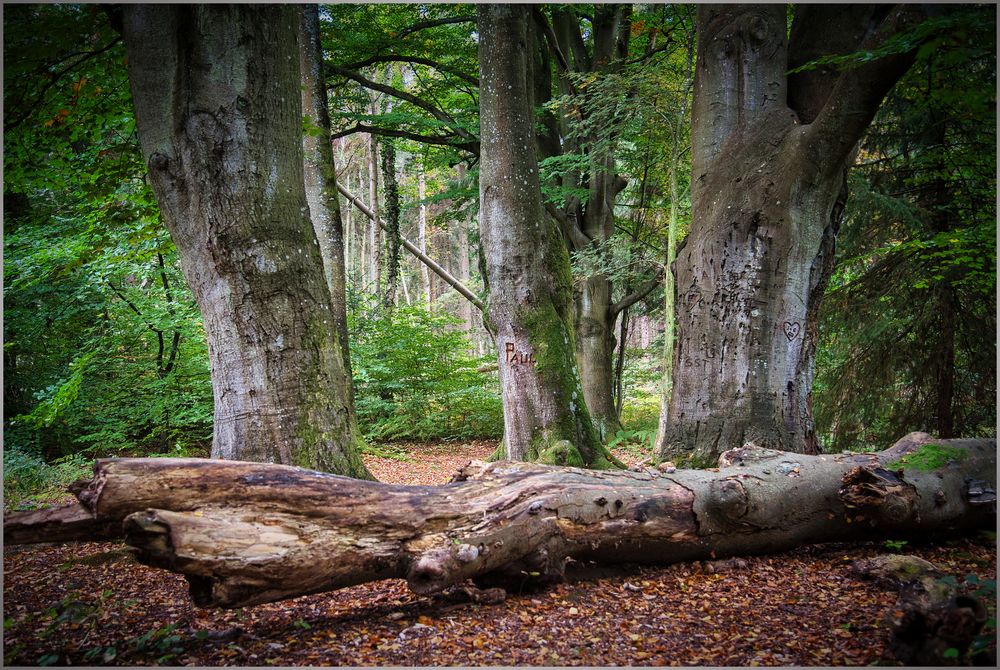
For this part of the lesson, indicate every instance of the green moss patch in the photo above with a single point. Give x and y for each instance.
(929, 457)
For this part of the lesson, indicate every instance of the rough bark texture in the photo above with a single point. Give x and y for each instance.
(217, 99)
(592, 222)
(247, 533)
(527, 266)
(768, 187)
(321, 194)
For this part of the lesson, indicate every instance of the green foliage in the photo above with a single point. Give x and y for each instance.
(908, 323)
(103, 347)
(929, 457)
(414, 380)
(895, 545)
(29, 482)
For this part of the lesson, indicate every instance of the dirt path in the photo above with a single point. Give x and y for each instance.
(91, 604)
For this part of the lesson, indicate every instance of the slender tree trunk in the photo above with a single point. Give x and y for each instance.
(465, 311)
(218, 108)
(669, 294)
(374, 232)
(392, 211)
(425, 275)
(321, 181)
(767, 195)
(245, 534)
(530, 284)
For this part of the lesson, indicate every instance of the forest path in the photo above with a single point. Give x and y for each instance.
(91, 604)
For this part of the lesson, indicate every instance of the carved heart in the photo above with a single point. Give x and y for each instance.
(792, 329)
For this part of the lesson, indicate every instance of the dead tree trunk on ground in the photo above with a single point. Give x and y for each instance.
(248, 533)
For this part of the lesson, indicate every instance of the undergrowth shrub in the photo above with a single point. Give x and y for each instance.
(29, 482)
(414, 378)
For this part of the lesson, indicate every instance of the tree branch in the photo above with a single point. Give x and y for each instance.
(20, 118)
(422, 257)
(644, 289)
(471, 147)
(408, 97)
(570, 229)
(393, 58)
(423, 25)
(858, 92)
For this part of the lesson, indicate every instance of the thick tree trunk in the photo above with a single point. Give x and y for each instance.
(594, 352)
(218, 108)
(527, 266)
(246, 533)
(767, 196)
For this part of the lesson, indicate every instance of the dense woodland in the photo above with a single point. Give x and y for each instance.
(590, 235)
(104, 348)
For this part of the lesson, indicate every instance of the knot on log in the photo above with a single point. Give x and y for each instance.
(880, 492)
(728, 500)
(748, 454)
(471, 470)
(430, 572)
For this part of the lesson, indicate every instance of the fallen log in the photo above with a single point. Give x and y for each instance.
(249, 533)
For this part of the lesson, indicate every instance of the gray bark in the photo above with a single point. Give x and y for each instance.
(245, 533)
(218, 109)
(767, 196)
(592, 223)
(527, 265)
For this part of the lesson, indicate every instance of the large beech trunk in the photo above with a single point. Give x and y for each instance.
(527, 265)
(218, 109)
(245, 533)
(769, 154)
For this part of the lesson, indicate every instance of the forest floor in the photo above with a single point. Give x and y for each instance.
(91, 604)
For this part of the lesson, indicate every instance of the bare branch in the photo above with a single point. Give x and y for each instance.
(408, 97)
(423, 25)
(471, 147)
(422, 257)
(393, 58)
(635, 296)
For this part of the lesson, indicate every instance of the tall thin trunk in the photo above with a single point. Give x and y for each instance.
(465, 311)
(374, 232)
(218, 109)
(321, 178)
(425, 275)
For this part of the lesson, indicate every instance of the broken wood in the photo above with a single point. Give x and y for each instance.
(931, 623)
(249, 533)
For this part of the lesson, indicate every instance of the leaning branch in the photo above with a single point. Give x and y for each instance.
(422, 257)
(433, 23)
(407, 97)
(394, 58)
(471, 147)
(637, 295)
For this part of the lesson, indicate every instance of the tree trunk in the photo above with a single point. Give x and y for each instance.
(465, 274)
(220, 121)
(425, 275)
(594, 352)
(374, 232)
(593, 220)
(527, 266)
(321, 192)
(767, 195)
(245, 533)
